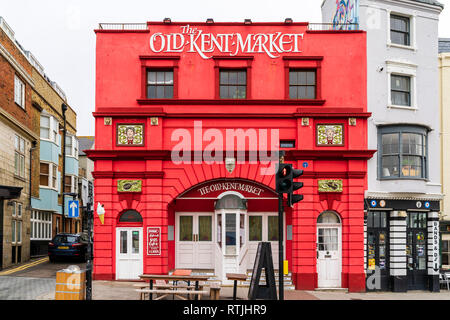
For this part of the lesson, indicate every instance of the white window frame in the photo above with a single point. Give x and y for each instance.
(73, 183)
(73, 148)
(53, 128)
(13, 231)
(19, 92)
(51, 166)
(19, 152)
(41, 225)
(412, 30)
(402, 69)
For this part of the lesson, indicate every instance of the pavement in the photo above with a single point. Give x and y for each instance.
(120, 290)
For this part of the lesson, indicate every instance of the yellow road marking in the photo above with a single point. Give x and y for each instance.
(25, 266)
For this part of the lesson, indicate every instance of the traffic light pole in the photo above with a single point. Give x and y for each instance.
(280, 248)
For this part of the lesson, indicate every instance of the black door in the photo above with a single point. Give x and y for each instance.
(377, 251)
(416, 251)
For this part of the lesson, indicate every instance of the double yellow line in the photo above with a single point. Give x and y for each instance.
(25, 266)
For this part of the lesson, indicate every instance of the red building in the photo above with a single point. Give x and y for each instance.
(184, 114)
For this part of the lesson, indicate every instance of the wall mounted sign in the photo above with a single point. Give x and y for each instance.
(129, 185)
(330, 185)
(153, 241)
(130, 134)
(192, 39)
(330, 135)
(436, 245)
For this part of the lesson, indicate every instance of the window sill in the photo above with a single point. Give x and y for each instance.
(230, 102)
(20, 178)
(400, 46)
(402, 178)
(48, 188)
(391, 106)
(21, 107)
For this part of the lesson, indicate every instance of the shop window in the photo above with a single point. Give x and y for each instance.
(403, 153)
(377, 233)
(445, 258)
(400, 90)
(400, 30)
(233, 84)
(302, 84)
(160, 84)
(255, 228)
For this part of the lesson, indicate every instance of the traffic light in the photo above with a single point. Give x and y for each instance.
(294, 198)
(283, 178)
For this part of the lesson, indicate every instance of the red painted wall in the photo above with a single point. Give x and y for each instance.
(340, 59)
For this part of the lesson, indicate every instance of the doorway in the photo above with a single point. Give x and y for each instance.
(129, 253)
(194, 245)
(329, 250)
(416, 250)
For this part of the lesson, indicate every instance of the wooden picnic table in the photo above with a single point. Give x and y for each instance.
(187, 278)
(236, 277)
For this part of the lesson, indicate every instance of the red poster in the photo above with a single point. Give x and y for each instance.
(154, 241)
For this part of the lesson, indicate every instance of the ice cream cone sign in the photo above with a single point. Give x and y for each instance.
(101, 212)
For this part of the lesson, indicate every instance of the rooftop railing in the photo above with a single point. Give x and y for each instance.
(122, 26)
(333, 27)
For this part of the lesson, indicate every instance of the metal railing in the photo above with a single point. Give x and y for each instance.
(122, 26)
(333, 27)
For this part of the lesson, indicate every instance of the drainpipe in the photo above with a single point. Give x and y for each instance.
(33, 146)
(64, 109)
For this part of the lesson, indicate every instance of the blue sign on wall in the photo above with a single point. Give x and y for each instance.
(73, 209)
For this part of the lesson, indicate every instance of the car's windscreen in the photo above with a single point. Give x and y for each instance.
(66, 239)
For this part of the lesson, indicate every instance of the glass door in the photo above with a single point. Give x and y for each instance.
(416, 251)
(377, 248)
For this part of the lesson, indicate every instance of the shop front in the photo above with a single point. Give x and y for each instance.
(187, 141)
(402, 244)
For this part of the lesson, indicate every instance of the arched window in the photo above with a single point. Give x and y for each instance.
(328, 217)
(130, 216)
(231, 201)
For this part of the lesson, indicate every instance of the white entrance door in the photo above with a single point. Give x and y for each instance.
(329, 256)
(129, 253)
(194, 245)
(262, 227)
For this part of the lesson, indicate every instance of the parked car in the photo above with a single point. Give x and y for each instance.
(68, 245)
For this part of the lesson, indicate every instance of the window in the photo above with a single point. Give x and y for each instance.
(48, 175)
(19, 92)
(403, 152)
(302, 84)
(400, 30)
(70, 184)
(287, 144)
(19, 156)
(68, 145)
(13, 231)
(377, 234)
(445, 252)
(160, 84)
(233, 84)
(400, 90)
(45, 127)
(55, 130)
(19, 210)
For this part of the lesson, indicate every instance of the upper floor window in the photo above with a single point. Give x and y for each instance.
(19, 156)
(71, 146)
(49, 128)
(400, 30)
(400, 90)
(403, 152)
(48, 175)
(302, 84)
(233, 84)
(160, 84)
(19, 92)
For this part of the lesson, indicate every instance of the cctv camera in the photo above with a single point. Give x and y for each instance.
(380, 68)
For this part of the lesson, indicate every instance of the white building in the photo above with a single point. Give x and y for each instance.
(404, 179)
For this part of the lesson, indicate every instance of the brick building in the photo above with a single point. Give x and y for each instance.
(19, 134)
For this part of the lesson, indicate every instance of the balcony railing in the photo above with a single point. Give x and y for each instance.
(333, 27)
(122, 26)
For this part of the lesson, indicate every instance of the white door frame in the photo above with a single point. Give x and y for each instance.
(194, 243)
(339, 228)
(139, 256)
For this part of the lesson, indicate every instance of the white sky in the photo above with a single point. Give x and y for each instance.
(60, 33)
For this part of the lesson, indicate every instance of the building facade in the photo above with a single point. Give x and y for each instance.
(19, 133)
(186, 116)
(85, 178)
(444, 92)
(47, 219)
(402, 202)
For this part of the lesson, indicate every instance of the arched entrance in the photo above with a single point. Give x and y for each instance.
(129, 246)
(218, 225)
(329, 250)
